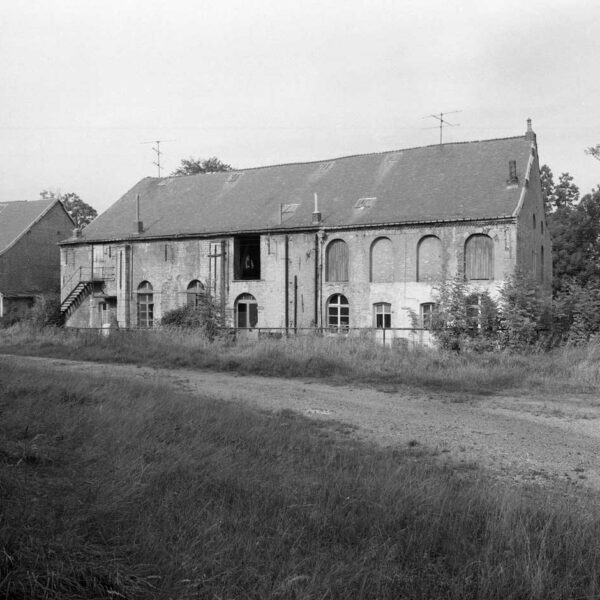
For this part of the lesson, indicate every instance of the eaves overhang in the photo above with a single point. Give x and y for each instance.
(283, 230)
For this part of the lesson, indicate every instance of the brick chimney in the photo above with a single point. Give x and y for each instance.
(138, 225)
(529, 134)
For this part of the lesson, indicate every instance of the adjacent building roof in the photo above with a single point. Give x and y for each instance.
(16, 218)
(434, 183)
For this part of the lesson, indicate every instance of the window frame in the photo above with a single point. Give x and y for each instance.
(382, 315)
(342, 268)
(195, 292)
(248, 301)
(338, 313)
(468, 268)
(145, 305)
(426, 311)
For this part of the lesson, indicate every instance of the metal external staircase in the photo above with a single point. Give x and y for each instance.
(81, 285)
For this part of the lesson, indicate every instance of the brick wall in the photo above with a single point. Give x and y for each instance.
(33, 263)
(169, 266)
(532, 237)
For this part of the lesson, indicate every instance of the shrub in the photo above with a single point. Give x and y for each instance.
(204, 315)
(46, 312)
(464, 319)
(525, 313)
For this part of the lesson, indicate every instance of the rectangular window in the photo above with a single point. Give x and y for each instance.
(145, 310)
(427, 315)
(383, 315)
(246, 257)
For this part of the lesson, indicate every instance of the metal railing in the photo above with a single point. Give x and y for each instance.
(86, 274)
(393, 336)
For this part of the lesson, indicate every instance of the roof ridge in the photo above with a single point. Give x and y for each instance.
(325, 160)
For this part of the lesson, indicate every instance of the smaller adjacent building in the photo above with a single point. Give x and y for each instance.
(29, 254)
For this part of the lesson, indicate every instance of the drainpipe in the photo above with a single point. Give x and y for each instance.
(316, 280)
(224, 278)
(295, 303)
(321, 236)
(287, 291)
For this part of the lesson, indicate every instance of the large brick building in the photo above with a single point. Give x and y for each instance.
(29, 252)
(358, 241)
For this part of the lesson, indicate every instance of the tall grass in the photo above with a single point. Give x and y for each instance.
(115, 490)
(340, 359)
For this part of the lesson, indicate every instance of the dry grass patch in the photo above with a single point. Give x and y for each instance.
(110, 489)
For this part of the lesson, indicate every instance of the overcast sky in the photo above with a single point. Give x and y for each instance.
(85, 83)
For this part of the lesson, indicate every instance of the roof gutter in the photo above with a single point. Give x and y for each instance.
(301, 229)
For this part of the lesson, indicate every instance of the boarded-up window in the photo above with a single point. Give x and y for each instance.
(382, 261)
(337, 261)
(479, 257)
(246, 310)
(429, 258)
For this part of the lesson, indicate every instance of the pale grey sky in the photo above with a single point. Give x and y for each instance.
(84, 83)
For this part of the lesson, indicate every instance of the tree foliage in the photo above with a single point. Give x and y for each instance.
(575, 230)
(557, 195)
(525, 313)
(196, 166)
(594, 151)
(80, 212)
(464, 319)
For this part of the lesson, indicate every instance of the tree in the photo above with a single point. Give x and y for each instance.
(594, 151)
(564, 193)
(80, 212)
(195, 166)
(547, 181)
(575, 233)
(567, 193)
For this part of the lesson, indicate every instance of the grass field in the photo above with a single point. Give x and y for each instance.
(110, 489)
(338, 359)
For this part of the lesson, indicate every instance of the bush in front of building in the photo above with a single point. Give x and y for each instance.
(203, 315)
(45, 312)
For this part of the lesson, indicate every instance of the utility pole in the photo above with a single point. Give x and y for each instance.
(443, 122)
(158, 152)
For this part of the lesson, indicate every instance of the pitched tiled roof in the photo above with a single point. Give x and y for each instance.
(17, 217)
(450, 182)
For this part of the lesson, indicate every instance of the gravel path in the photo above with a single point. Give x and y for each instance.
(547, 440)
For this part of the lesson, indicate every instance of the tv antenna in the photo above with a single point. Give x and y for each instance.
(443, 121)
(158, 152)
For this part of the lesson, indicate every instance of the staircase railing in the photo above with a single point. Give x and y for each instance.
(86, 275)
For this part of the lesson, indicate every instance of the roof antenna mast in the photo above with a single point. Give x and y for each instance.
(443, 122)
(158, 152)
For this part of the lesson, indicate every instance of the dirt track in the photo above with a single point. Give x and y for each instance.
(546, 440)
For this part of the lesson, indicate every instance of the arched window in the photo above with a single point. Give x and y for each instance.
(382, 261)
(338, 313)
(246, 311)
(542, 264)
(534, 224)
(195, 293)
(145, 304)
(429, 258)
(479, 257)
(382, 315)
(336, 267)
